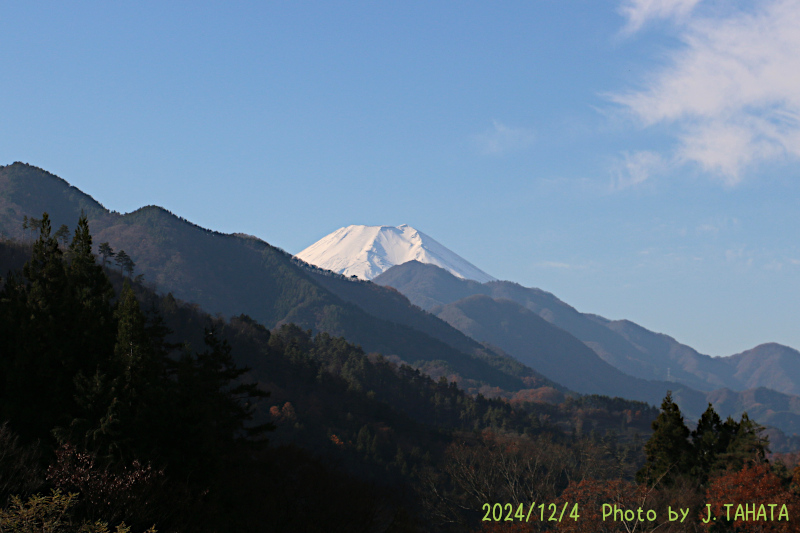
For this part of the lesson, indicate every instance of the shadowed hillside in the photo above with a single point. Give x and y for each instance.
(542, 331)
(538, 344)
(625, 345)
(230, 274)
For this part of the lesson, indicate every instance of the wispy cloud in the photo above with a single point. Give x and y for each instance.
(634, 168)
(501, 139)
(639, 12)
(740, 256)
(715, 227)
(732, 90)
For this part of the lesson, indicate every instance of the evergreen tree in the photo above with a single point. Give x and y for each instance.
(62, 235)
(746, 445)
(718, 446)
(106, 251)
(93, 295)
(125, 263)
(35, 224)
(135, 373)
(709, 440)
(204, 420)
(37, 360)
(668, 451)
(119, 401)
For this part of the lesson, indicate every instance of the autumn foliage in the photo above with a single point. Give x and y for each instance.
(754, 484)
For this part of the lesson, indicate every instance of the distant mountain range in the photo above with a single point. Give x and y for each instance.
(513, 317)
(367, 251)
(625, 345)
(489, 336)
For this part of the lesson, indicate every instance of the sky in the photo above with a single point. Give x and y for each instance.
(637, 158)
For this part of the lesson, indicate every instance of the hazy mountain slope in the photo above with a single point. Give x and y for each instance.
(428, 286)
(625, 345)
(389, 304)
(565, 359)
(229, 274)
(761, 404)
(366, 251)
(640, 348)
(545, 347)
(768, 365)
(682, 362)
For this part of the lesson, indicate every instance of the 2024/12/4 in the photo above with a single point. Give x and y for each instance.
(494, 513)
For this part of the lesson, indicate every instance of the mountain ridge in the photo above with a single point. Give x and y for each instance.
(426, 284)
(624, 344)
(235, 274)
(228, 274)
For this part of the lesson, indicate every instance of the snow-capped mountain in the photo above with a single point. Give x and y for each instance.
(367, 251)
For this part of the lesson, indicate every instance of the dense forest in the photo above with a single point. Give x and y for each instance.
(122, 409)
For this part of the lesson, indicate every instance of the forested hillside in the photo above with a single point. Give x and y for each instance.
(532, 325)
(234, 274)
(627, 346)
(125, 406)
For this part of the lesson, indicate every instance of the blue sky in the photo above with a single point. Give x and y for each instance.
(637, 158)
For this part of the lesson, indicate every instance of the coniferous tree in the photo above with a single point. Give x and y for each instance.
(215, 405)
(38, 362)
(130, 266)
(62, 234)
(709, 440)
(133, 370)
(119, 401)
(35, 224)
(746, 445)
(124, 262)
(100, 376)
(668, 451)
(93, 294)
(715, 446)
(106, 251)
(718, 446)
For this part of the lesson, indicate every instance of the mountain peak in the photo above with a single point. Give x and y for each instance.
(367, 251)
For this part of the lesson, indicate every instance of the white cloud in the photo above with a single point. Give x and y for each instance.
(733, 89)
(718, 225)
(635, 168)
(501, 139)
(739, 256)
(709, 229)
(639, 12)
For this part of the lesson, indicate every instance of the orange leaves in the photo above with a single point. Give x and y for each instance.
(538, 395)
(738, 497)
(286, 413)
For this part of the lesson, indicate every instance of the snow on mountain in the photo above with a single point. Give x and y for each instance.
(366, 251)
